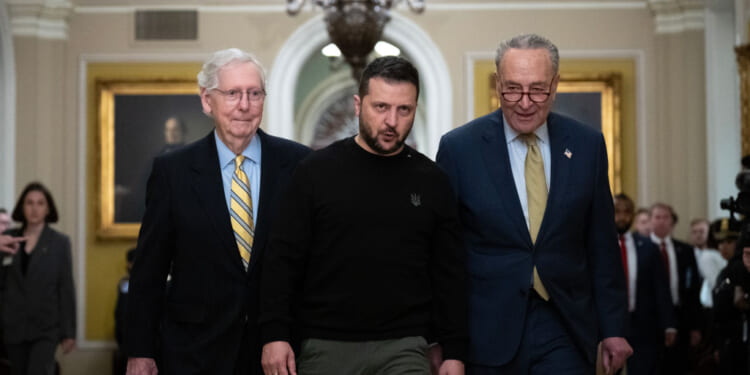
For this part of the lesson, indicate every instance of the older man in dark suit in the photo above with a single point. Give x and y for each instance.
(545, 280)
(208, 210)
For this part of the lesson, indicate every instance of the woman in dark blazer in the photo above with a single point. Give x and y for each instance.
(36, 281)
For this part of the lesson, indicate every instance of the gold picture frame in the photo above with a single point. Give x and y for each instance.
(607, 86)
(743, 65)
(129, 93)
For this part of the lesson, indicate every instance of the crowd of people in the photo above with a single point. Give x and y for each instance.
(508, 255)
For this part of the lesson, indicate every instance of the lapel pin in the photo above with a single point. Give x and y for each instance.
(568, 154)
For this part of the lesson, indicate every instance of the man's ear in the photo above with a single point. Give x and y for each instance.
(205, 103)
(357, 105)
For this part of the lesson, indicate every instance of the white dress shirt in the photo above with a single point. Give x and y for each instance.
(710, 263)
(632, 270)
(517, 153)
(674, 277)
(251, 166)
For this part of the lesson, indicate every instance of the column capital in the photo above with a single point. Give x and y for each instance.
(676, 16)
(43, 19)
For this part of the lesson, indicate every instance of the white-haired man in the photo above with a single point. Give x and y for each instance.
(209, 206)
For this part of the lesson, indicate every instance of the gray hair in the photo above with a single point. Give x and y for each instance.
(208, 77)
(528, 41)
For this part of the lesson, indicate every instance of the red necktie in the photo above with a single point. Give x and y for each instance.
(665, 258)
(624, 254)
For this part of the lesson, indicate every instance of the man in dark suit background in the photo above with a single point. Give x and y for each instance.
(652, 325)
(684, 283)
(545, 279)
(208, 210)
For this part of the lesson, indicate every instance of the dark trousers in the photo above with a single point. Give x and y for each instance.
(546, 347)
(32, 357)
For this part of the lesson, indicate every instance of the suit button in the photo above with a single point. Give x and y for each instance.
(245, 318)
(524, 292)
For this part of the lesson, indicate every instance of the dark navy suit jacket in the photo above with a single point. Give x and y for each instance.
(198, 324)
(653, 307)
(576, 252)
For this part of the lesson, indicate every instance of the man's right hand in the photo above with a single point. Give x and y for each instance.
(10, 244)
(142, 366)
(278, 359)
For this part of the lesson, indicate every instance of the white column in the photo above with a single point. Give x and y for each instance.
(7, 112)
(722, 106)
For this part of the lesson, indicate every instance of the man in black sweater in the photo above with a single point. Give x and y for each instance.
(366, 264)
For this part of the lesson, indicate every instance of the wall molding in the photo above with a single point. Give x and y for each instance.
(47, 19)
(676, 16)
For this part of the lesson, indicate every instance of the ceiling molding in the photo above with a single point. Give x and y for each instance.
(46, 19)
(676, 16)
(280, 7)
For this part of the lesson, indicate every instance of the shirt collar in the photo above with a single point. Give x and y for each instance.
(658, 240)
(542, 132)
(226, 156)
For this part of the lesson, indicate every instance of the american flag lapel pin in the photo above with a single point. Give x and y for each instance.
(568, 154)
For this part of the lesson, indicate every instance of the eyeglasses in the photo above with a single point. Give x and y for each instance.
(233, 96)
(534, 96)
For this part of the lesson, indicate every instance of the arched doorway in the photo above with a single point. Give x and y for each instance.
(308, 38)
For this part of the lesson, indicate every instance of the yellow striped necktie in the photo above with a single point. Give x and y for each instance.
(536, 194)
(241, 211)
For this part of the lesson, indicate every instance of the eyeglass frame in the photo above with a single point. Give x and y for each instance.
(528, 94)
(226, 94)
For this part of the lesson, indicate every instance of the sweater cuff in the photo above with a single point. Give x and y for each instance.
(455, 349)
(270, 332)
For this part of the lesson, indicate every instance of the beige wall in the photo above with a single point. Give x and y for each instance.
(49, 119)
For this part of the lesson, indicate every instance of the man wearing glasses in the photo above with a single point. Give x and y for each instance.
(209, 206)
(545, 277)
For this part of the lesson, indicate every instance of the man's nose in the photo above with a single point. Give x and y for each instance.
(391, 118)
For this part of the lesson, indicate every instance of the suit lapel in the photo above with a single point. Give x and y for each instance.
(271, 164)
(40, 250)
(209, 191)
(560, 164)
(494, 150)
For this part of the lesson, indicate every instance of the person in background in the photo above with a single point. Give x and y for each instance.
(730, 312)
(642, 223)
(652, 325)
(4, 220)
(119, 359)
(38, 296)
(685, 281)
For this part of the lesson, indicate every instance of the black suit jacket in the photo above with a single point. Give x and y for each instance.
(653, 312)
(205, 321)
(688, 313)
(40, 304)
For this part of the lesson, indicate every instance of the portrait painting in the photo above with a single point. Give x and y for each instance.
(138, 122)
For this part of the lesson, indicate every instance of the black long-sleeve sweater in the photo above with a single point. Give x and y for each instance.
(367, 248)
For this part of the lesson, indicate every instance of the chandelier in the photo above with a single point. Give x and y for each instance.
(355, 25)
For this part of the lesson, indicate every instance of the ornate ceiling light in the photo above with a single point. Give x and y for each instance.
(355, 25)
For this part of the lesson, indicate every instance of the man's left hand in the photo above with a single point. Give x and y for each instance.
(615, 350)
(68, 345)
(452, 367)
